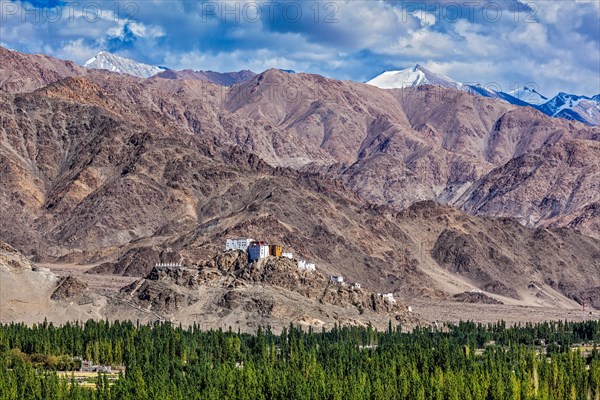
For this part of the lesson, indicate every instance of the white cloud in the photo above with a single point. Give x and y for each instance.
(424, 43)
(255, 60)
(426, 19)
(144, 31)
(75, 50)
(561, 51)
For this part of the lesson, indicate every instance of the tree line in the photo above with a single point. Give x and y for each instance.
(554, 360)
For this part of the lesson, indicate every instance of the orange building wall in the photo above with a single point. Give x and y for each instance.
(276, 250)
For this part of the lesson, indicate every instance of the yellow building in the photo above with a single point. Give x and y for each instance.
(276, 250)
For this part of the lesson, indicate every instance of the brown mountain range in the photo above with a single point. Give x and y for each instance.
(224, 79)
(126, 172)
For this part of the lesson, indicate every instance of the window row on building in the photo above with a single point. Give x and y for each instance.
(259, 249)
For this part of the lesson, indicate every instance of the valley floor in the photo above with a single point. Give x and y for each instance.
(449, 311)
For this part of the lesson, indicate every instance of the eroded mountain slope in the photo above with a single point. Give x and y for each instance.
(105, 167)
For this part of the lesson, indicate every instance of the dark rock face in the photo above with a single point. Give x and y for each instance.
(263, 307)
(163, 299)
(110, 167)
(456, 250)
(12, 260)
(465, 255)
(69, 288)
(474, 297)
(590, 297)
(501, 289)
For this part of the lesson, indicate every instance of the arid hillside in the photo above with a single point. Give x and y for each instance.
(390, 147)
(557, 184)
(225, 291)
(418, 192)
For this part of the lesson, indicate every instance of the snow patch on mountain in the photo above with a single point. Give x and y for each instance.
(418, 75)
(412, 77)
(578, 108)
(529, 95)
(114, 63)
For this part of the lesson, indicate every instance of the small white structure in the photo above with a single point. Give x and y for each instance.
(388, 297)
(409, 308)
(88, 366)
(355, 286)
(304, 266)
(164, 265)
(258, 250)
(238, 244)
(336, 279)
(287, 255)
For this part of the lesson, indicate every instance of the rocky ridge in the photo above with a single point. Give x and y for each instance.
(169, 290)
(69, 288)
(224, 79)
(98, 167)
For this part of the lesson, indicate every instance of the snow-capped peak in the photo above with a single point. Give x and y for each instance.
(563, 105)
(114, 63)
(573, 107)
(411, 77)
(529, 95)
(563, 101)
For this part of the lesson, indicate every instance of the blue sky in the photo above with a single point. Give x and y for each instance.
(553, 45)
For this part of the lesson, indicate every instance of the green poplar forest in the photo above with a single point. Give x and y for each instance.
(554, 360)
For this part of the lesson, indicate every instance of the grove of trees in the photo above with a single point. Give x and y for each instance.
(163, 361)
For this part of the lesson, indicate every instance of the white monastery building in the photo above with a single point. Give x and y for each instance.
(238, 244)
(304, 266)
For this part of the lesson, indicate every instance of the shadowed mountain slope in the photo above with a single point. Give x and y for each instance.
(105, 167)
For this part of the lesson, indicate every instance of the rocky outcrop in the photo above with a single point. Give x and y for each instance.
(69, 288)
(158, 296)
(228, 276)
(500, 288)
(138, 261)
(11, 260)
(227, 262)
(361, 299)
(590, 297)
(475, 297)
